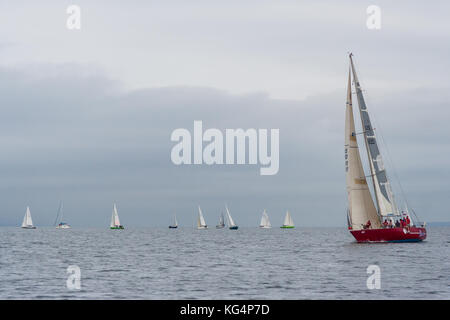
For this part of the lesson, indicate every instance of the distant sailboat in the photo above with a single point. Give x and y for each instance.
(59, 215)
(175, 223)
(115, 222)
(288, 222)
(201, 224)
(221, 223)
(364, 219)
(27, 222)
(231, 224)
(265, 223)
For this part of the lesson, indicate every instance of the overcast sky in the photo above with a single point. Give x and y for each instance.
(86, 115)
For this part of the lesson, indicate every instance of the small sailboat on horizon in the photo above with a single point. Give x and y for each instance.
(288, 222)
(175, 223)
(265, 223)
(231, 224)
(27, 222)
(221, 223)
(59, 215)
(115, 222)
(201, 223)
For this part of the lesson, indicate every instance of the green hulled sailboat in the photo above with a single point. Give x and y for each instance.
(288, 222)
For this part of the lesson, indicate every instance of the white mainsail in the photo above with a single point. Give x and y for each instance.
(265, 222)
(175, 222)
(27, 221)
(201, 223)
(288, 220)
(115, 222)
(383, 192)
(230, 220)
(360, 204)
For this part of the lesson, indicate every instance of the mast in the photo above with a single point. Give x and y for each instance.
(360, 203)
(383, 192)
(58, 213)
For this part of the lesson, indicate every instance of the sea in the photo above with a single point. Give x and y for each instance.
(249, 263)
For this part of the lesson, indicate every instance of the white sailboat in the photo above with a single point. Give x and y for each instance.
(265, 223)
(59, 215)
(115, 222)
(175, 223)
(231, 224)
(201, 224)
(27, 222)
(221, 223)
(288, 222)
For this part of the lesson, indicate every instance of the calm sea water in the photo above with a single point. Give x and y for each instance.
(151, 263)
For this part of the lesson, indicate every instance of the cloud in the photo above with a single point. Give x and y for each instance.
(288, 49)
(71, 133)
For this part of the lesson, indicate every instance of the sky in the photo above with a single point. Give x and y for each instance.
(87, 115)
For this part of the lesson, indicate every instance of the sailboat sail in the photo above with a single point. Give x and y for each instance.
(265, 223)
(230, 220)
(288, 220)
(382, 187)
(27, 221)
(360, 204)
(200, 220)
(175, 222)
(115, 222)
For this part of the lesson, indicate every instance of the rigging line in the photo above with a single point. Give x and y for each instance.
(58, 212)
(388, 153)
(395, 207)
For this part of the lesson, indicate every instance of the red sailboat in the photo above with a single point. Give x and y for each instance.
(367, 223)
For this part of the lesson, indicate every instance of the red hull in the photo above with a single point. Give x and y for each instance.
(414, 234)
